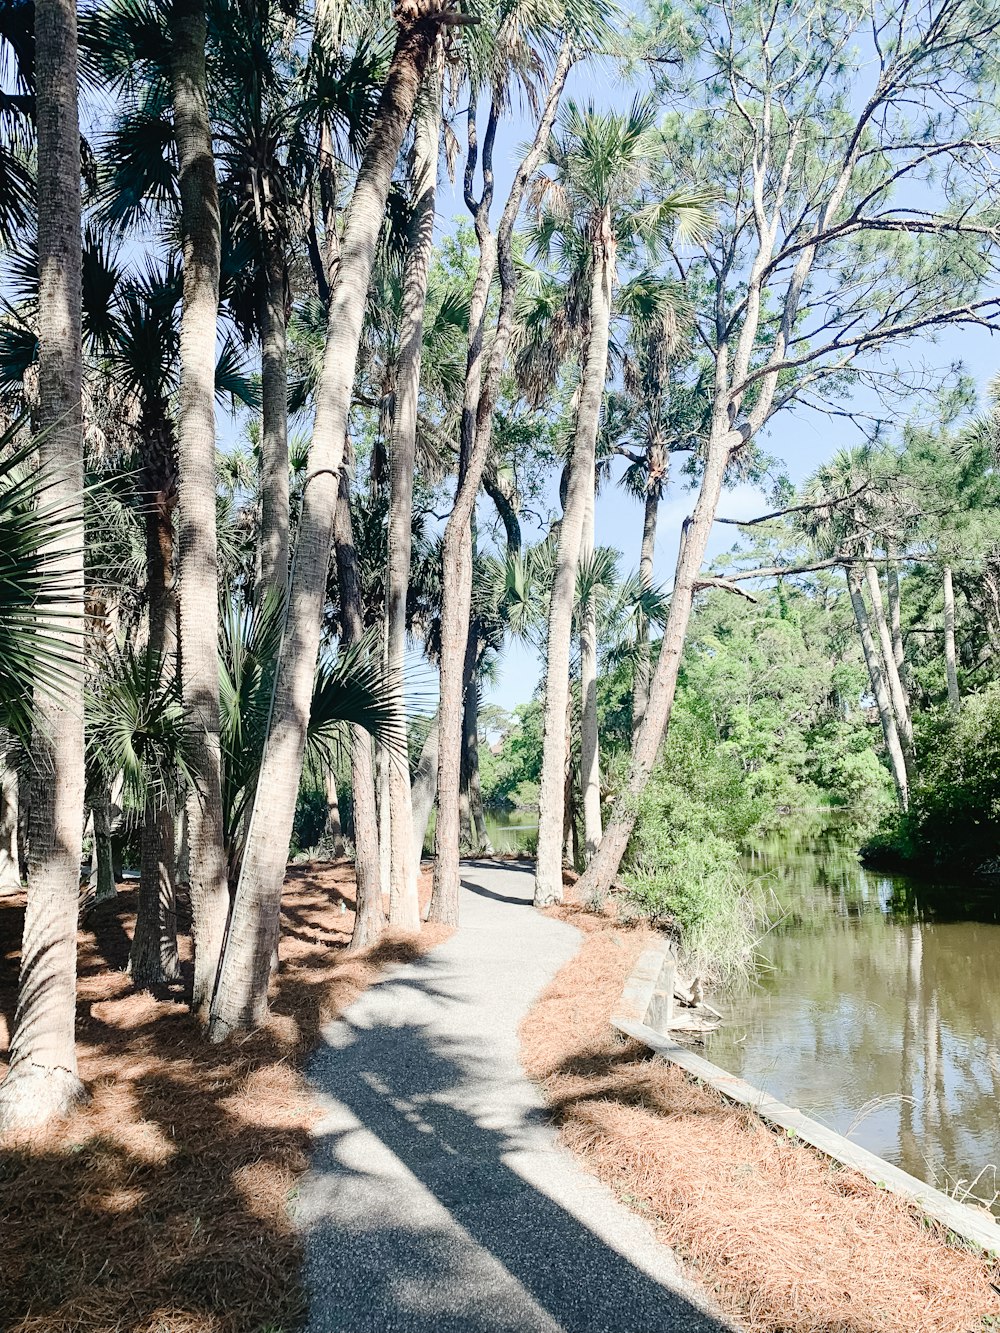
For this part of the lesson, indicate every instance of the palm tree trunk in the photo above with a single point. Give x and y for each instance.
(477, 424)
(479, 838)
(897, 694)
(647, 550)
(42, 1080)
(369, 919)
(385, 830)
(333, 828)
(950, 664)
(198, 576)
(153, 956)
(599, 875)
(874, 662)
(423, 789)
(241, 1000)
(274, 420)
(404, 908)
(590, 756)
(10, 872)
(551, 797)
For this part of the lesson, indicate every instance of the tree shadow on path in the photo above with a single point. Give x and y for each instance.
(477, 1249)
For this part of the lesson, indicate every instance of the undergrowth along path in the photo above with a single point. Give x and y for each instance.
(439, 1199)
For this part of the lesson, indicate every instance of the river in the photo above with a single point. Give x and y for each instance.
(877, 1010)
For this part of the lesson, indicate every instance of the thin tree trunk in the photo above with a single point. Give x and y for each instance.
(599, 875)
(551, 797)
(274, 420)
(477, 424)
(655, 485)
(102, 875)
(198, 575)
(369, 919)
(897, 694)
(404, 907)
(950, 664)
(423, 789)
(42, 1080)
(874, 662)
(241, 1000)
(590, 755)
(333, 828)
(153, 956)
(10, 872)
(479, 839)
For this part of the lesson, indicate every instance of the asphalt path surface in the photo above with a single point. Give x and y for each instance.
(439, 1199)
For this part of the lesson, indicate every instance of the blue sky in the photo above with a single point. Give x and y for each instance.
(801, 440)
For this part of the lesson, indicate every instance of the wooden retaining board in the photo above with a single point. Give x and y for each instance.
(968, 1223)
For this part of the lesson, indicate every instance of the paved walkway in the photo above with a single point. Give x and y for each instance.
(439, 1199)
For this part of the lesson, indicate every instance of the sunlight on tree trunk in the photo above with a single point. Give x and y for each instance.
(897, 694)
(333, 828)
(423, 789)
(404, 908)
(42, 1081)
(647, 550)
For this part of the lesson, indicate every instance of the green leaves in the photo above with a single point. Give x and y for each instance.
(36, 593)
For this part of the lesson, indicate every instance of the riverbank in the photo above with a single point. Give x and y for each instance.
(785, 1242)
(162, 1205)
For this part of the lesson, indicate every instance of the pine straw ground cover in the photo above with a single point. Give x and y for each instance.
(786, 1241)
(162, 1205)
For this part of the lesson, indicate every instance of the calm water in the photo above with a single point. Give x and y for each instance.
(879, 1010)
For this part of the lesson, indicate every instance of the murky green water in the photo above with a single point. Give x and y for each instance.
(879, 1011)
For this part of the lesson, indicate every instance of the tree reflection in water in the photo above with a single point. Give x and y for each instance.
(877, 1009)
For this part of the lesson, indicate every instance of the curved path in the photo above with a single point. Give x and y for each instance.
(439, 1199)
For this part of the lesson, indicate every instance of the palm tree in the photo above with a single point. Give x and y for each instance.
(404, 908)
(241, 999)
(602, 165)
(197, 566)
(42, 1081)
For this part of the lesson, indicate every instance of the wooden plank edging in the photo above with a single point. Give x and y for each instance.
(968, 1223)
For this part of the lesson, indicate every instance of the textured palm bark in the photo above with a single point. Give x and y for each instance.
(590, 753)
(197, 564)
(480, 399)
(153, 958)
(404, 907)
(950, 659)
(579, 493)
(656, 482)
(241, 999)
(600, 874)
(274, 512)
(333, 828)
(42, 1081)
(875, 664)
(10, 872)
(369, 920)
(897, 693)
(102, 873)
(423, 789)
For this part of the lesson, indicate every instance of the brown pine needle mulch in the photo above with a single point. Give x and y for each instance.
(162, 1205)
(786, 1241)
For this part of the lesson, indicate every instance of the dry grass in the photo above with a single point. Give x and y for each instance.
(786, 1241)
(161, 1206)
